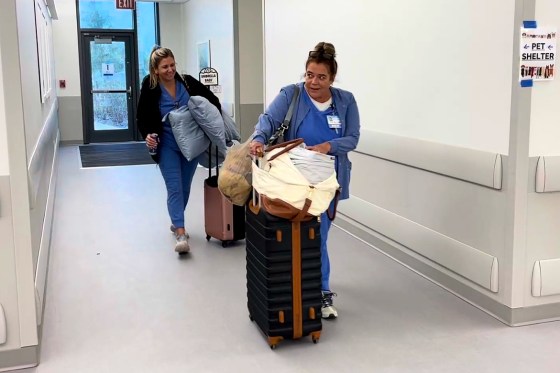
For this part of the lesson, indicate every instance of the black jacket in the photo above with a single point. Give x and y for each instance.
(148, 116)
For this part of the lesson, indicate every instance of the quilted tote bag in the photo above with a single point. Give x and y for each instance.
(283, 188)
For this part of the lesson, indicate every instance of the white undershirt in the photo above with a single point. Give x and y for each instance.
(321, 106)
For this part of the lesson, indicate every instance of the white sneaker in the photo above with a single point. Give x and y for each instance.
(328, 311)
(173, 230)
(182, 245)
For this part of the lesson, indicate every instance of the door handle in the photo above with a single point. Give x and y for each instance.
(129, 90)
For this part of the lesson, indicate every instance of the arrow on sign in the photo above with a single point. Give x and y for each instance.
(550, 47)
(526, 46)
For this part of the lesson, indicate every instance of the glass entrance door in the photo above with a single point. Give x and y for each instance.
(109, 87)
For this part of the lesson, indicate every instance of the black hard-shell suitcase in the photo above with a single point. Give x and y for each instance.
(222, 219)
(283, 275)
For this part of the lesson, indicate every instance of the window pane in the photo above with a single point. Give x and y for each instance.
(146, 28)
(107, 65)
(103, 14)
(110, 111)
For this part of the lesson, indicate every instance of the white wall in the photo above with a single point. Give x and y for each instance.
(4, 164)
(211, 20)
(171, 28)
(65, 39)
(438, 71)
(545, 108)
(543, 209)
(424, 69)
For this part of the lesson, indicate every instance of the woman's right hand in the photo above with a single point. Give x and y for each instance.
(256, 148)
(151, 141)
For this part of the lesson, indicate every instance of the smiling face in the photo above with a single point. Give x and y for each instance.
(318, 80)
(166, 69)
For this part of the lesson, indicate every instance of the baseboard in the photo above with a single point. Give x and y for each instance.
(71, 142)
(399, 253)
(22, 358)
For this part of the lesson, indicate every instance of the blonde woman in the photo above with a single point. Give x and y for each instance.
(162, 91)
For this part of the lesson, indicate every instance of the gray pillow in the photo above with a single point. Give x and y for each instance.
(209, 119)
(189, 136)
(230, 129)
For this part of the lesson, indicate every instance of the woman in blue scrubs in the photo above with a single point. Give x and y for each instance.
(162, 91)
(328, 120)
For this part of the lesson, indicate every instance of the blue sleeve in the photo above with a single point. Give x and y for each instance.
(349, 141)
(272, 118)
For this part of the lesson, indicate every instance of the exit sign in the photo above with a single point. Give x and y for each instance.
(126, 4)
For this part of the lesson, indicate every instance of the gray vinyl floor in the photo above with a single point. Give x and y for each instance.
(120, 300)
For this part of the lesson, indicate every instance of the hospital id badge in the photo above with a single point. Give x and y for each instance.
(333, 121)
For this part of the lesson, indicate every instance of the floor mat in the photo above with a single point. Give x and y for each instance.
(106, 155)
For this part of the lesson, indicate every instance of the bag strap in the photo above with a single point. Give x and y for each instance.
(287, 146)
(286, 123)
(336, 198)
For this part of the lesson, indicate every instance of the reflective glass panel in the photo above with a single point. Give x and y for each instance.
(147, 38)
(108, 65)
(103, 14)
(108, 73)
(110, 111)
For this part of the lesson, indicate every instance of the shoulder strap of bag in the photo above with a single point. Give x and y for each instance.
(286, 123)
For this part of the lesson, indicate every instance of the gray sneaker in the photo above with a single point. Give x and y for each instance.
(173, 230)
(328, 311)
(182, 245)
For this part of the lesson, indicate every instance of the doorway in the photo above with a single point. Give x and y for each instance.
(109, 87)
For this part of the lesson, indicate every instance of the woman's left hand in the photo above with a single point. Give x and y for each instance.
(324, 148)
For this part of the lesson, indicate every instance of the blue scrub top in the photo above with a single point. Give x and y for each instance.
(314, 129)
(168, 103)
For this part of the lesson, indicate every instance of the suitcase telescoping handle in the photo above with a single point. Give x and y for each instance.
(255, 197)
(210, 161)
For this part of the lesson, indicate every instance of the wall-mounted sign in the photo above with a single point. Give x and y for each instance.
(216, 88)
(108, 68)
(208, 76)
(538, 53)
(125, 4)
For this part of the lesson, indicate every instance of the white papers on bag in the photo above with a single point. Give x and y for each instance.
(314, 166)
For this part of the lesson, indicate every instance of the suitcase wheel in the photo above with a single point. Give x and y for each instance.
(225, 243)
(251, 317)
(207, 238)
(273, 341)
(315, 336)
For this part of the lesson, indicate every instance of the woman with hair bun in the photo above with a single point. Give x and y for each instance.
(328, 120)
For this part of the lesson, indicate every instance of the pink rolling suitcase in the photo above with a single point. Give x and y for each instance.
(222, 219)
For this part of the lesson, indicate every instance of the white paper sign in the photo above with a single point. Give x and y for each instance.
(537, 53)
(108, 68)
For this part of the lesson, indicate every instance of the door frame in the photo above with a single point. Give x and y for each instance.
(90, 135)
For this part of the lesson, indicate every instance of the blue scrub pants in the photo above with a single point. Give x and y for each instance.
(325, 263)
(178, 174)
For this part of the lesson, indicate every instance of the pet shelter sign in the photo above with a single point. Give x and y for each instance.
(537, 53)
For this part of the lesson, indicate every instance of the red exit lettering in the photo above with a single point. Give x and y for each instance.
(126, 4)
